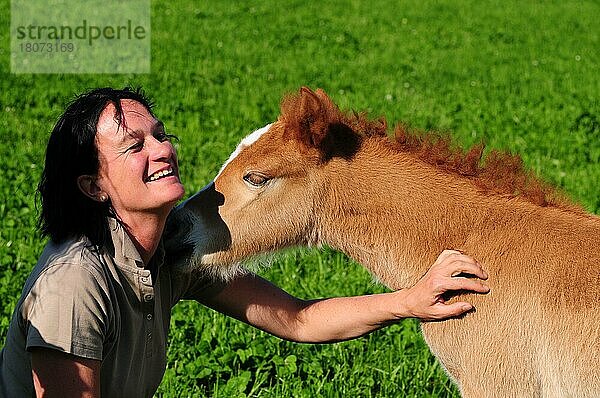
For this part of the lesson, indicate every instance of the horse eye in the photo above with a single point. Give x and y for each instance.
(255, 179)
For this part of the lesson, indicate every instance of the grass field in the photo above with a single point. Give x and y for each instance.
(521, 76)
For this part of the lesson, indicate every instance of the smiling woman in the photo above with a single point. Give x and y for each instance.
(109, 181)
(94, 314)
(138, 172)
(66, 213)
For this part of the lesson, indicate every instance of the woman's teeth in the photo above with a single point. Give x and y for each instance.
(160, 174)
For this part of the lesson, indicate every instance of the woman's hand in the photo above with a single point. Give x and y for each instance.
(425, 300)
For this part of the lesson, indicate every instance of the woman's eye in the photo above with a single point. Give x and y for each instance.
(162, 137)
(255, 179)
(137, 146)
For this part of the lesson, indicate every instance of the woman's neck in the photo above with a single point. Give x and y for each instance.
(145, 231)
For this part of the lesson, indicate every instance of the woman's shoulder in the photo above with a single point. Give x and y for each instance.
(76, 251)
(67, 283)
(72, 260)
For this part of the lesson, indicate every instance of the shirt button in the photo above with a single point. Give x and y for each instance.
(144, 279)
(149, 317)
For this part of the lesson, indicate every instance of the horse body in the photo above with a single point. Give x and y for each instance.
(310, 180)
(542, 312)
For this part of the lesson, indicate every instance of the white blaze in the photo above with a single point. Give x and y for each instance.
(245, 143)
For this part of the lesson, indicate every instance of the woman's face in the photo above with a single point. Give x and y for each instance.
(138, 164)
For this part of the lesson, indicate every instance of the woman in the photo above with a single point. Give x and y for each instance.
(94, 314)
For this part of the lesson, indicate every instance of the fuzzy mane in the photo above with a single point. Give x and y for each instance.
(500, 173)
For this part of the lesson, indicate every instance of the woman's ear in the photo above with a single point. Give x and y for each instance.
(87, 185)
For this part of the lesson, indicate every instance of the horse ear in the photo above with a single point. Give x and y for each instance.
(313, 117)
(308, 117)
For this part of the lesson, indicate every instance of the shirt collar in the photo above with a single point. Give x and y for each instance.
(124, 249)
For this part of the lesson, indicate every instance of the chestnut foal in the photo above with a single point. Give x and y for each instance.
(318, 176)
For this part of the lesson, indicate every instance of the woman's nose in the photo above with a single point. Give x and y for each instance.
(160, 149)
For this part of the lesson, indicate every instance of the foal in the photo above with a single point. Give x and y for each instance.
(319, 176)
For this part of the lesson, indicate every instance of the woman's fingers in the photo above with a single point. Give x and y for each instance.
(452, 271)
(445, 254)
(452, 310)
(459, 283)
(453, 263)
(451, 274)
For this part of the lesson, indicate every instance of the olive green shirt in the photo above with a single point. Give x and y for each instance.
(101, 304)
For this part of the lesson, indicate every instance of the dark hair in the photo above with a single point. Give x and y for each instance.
(71, 152)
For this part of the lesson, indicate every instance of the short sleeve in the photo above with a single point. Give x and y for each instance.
(67, 310)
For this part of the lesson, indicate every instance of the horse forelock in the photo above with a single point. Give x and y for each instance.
(245, 143)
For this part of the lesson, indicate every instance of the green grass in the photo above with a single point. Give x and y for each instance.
(522, 76)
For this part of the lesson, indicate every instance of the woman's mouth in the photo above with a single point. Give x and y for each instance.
(160, 174)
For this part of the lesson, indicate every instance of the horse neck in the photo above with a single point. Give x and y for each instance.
(395, 214)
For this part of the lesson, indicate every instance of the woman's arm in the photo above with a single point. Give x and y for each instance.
(57, 374)
(257, 302)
